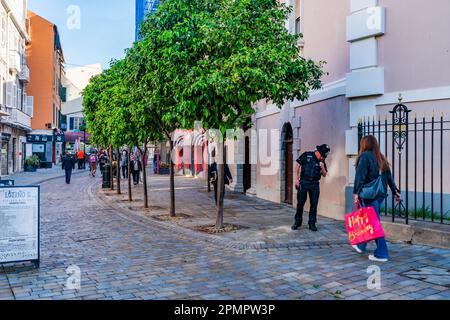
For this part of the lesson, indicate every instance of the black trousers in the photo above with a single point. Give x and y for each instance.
(80, 164)
(135, 176)
(311, 189)
(124, 172)
(68, 175)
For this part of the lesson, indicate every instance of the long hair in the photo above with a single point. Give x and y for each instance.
(370, 143)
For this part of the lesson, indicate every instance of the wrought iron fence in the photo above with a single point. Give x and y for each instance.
(418, 149)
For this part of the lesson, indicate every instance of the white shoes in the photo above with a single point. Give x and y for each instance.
(373, 258)
(357, 249)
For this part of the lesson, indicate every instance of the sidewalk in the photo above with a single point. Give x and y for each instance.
(261, 224)
(38, 177)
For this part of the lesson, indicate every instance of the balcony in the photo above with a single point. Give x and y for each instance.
(19, 119)
(14, 61)
(24, 74)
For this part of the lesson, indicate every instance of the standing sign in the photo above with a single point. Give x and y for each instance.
(19, 224)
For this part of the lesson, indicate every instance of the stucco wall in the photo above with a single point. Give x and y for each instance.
(415, 51)
(420, 109)
(324, 32)
(267, 185)
(326, 122)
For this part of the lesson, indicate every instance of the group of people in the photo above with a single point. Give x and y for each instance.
(371, 165)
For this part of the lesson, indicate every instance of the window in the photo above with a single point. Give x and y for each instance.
(298, 20)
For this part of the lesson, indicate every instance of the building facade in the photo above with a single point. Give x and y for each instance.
(372, 56)
(45, 57)
(142, 8)
(75, 80)
(16, 106)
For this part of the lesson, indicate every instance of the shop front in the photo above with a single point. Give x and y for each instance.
(48, 147)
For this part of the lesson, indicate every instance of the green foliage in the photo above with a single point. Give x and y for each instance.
(33, 161)
(211, 60)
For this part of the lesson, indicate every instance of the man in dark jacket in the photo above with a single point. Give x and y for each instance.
(68, 164)
(214, 175)
(313, 168)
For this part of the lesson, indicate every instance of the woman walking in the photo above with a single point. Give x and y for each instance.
(370, 165)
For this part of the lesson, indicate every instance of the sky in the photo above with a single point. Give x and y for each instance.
(91, 31)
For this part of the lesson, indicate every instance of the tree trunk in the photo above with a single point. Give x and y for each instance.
(130, 196)
(172, 182)
(144, 175)
(111, 173)
(220, 187)
(118, 171)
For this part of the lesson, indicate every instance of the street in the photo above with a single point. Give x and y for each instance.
(124, 254)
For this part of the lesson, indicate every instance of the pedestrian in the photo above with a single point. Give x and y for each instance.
(124, 164)
(136, 168)
(93, 160)
(313, 168)
(371, 164)
(214, 175)
(80, 158)
(68, 164)
(156, 161)
(103, 160)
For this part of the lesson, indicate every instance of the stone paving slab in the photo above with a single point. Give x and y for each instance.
(136, 258)
(266, 224)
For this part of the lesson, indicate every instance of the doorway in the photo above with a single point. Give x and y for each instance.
(247, 166)
(288, 170)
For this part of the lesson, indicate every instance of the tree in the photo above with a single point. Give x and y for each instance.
(220, 57)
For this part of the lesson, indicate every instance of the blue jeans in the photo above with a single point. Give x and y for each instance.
(382, 250)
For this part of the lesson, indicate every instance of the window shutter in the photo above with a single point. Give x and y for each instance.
(9, 95)
(14, 96)
(71, 121)
(29, 106)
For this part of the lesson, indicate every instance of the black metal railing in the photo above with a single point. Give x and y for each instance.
(417, 149)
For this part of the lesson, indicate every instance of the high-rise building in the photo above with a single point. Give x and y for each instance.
(144, 7)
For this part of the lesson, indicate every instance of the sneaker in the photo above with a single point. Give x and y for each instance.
(373, 258)
(357, 249)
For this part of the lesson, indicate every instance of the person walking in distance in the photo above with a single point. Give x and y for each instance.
(68, 164)
(372, 165)
(93, 160)
(80, 158)
(136, 168)
(124, 164)
(311, 167)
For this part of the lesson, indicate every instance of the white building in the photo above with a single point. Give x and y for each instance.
(16, 108)
(75, 80)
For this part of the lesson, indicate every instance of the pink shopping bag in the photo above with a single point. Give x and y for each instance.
(363, 225)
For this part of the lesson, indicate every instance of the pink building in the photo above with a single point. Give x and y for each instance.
(375, 50)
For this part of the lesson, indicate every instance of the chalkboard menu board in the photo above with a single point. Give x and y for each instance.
(19, 224)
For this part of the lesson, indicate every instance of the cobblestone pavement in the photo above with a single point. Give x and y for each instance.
(40, 176)
(130, 256)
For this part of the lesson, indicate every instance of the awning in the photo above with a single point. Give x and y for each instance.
(71, 137)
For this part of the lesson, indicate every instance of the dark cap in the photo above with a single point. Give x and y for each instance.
(324, 150)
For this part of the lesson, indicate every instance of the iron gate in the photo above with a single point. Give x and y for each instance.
(418, 150)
